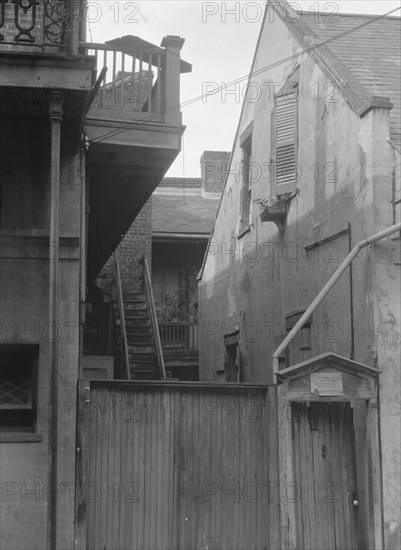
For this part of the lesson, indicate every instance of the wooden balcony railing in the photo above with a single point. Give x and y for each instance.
(180, 336)
(132, 81)
(118, 304)
(49, 26)
(153, 317)
(139, 77)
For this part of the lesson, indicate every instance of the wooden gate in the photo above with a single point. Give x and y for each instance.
(177, 466)
(325, 493)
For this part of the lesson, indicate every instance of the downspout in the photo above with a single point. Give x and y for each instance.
(351, 297)
(56, 118)
(326, 289)
(82, 249)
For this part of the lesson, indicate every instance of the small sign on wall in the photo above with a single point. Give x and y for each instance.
(327, 383)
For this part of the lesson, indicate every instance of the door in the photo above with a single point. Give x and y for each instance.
(324, 491)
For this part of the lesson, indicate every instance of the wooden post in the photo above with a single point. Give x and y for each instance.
(82, 458)
(56, 118)
(171, 79)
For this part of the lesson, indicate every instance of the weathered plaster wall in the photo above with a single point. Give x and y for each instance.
(253, 282)
(24, 289)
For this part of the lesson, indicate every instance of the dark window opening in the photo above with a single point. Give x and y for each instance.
(232, 366)
(246, 183)
(18, 389)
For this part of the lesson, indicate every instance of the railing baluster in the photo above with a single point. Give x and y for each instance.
(158, 85)
(104, 80)
(140, 84)
(113, 84)
(150, 83)
(132, 94)
(122, 82)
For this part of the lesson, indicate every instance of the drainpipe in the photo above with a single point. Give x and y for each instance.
(82, 250)
(56, 118)
(326, 289)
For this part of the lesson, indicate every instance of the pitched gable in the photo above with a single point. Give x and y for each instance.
(361, 52)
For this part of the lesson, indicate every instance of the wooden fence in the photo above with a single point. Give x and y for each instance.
(175, 465)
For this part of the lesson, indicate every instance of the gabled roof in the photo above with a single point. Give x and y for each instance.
(362, 53)
(323, 361)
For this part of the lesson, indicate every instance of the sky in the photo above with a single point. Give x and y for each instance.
(220, 40)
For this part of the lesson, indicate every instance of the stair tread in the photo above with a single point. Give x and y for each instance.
(132, 315)
(140, 344)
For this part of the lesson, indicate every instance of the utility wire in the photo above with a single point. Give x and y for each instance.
(154, 116)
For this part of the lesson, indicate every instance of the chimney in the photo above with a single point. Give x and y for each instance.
(214, 166)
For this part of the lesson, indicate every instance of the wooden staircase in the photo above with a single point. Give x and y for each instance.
(140, 347)
(143, 362)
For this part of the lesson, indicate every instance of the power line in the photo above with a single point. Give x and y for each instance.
(154, 116)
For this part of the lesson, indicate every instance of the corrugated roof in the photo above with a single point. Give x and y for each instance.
(183, 214)
(367, 59)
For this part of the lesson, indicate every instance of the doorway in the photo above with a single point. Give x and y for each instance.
(324, 467)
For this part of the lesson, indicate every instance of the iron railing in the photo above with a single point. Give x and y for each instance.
(51, 26)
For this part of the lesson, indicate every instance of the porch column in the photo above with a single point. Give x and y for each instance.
(171, 79)
(56, 118)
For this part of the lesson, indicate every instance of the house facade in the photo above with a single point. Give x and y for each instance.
(81, 152)
(315, 170)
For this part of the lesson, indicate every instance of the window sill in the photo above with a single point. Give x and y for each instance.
(244, 232)
(19, 437)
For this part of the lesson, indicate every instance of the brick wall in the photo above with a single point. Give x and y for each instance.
(138, 239)
(214, 166)
(136, 243)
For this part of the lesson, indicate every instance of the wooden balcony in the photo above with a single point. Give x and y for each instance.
(181, 336)
(134, 127)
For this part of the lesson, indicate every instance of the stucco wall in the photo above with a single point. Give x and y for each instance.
(24, 294)
(344, 186)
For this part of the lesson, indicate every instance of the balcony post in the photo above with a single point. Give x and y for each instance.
(171, 79)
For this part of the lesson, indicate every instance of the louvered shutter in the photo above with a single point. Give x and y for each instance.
(285, 157)
(272, 175)
(245, 194)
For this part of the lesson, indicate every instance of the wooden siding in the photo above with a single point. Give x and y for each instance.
(178, 465)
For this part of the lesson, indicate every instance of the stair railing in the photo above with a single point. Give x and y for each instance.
(120, 305)
(153, 316)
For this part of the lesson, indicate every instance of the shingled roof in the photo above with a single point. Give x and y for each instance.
(362, 54)
(182, 213)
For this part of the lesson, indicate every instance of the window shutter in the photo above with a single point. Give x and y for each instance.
(285, 143)
(273, 187)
